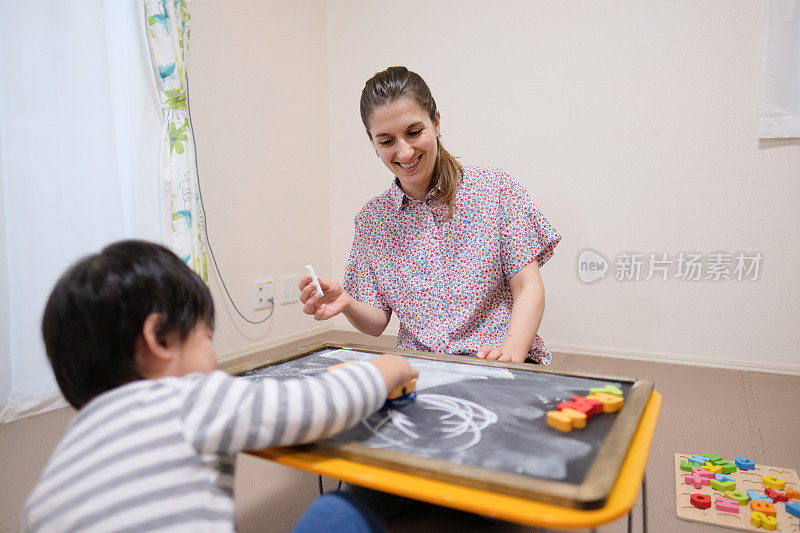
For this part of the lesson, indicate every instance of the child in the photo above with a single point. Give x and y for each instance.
(128, 334)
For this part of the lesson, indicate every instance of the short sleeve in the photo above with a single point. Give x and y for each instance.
(525, 234)
(360, 279)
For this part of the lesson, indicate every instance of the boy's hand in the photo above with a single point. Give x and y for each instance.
(395, 370)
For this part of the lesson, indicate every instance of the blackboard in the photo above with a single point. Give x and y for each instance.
(484, 424)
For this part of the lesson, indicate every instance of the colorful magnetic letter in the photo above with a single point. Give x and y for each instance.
(793, 508)
(713, 468)
(703, 473)
(726, 504)
(608, 389)
(611, 403)
(767, 508)
(754, 495)
(774, 483)
(776, 496)
(565, 419)
(584, 405)
(578, 419)
(695, 480)
(739, 496)
(701, 501)
(722, 486)
(745, 464)
(761, 520)
(712, 457)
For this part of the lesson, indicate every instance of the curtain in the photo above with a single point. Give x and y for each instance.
(78, 163)
(780, 79)
(168, 29)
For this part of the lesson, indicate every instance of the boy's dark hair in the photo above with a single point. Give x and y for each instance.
(97, 311)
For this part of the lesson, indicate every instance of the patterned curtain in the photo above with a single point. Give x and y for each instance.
(168, 29)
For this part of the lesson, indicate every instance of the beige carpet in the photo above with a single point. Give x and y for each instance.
(730, 412)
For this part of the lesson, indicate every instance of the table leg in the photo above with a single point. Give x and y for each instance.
(644, 508)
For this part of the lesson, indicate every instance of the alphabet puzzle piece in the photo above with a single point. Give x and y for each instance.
(758, 506)
(739, 496)
(774, 483)
(713, 468)
(712, 457)
(723, 477)
(696, 480)
(792, 493)
(745, 464)
(703, 473)
(701, 501)
(776, 496)
(589, 407)
(699, 460)
(726, 504)
(722, 486)
(767, 522)
(754, 495)
(611, 403)
(728, 467)
(566, 419)
(608, 389)
(793, 508)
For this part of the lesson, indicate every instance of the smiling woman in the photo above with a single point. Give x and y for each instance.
(407, 144)
(453, 249)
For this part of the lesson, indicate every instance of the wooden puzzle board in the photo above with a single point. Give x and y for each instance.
(745, 480)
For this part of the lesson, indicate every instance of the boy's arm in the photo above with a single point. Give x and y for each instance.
(227, 415)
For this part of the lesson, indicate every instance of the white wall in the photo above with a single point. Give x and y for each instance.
(258, 93)
(635, 128)
(5, 296)
(633, 125)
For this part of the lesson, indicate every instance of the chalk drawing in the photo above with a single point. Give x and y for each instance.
(431, 373)
(458, 428)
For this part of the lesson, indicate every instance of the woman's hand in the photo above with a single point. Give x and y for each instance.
(333, 301)
(500, 353)
(526, 315)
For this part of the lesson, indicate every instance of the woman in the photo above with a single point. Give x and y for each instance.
(454, 250)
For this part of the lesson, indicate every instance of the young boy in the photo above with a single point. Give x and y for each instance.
(128, 334)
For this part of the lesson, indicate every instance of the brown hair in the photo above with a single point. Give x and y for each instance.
(396, 83)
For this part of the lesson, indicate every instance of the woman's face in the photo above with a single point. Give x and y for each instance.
(405, 138)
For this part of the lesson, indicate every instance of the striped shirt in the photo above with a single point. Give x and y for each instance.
(159, 454)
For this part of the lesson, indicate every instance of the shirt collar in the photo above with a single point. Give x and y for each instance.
(398, 198)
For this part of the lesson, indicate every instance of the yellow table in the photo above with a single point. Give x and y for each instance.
(510, 508)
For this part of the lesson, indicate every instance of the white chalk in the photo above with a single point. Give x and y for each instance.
(310, 270)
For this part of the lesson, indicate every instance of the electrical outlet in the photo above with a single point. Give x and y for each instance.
(290, 293)
(263, 290)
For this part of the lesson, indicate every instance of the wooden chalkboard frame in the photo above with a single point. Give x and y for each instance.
(590, 494)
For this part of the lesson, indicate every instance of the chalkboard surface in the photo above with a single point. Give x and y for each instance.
(486, 420)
